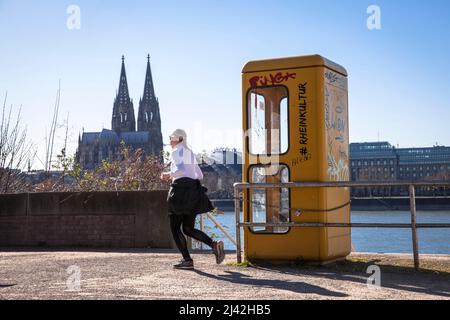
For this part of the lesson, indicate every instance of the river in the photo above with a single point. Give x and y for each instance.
(380, 240)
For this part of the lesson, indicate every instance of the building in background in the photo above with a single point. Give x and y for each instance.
(221, 169)
(93, 147)
(380, 161)
(371, 161)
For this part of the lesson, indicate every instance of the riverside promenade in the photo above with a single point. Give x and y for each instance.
(40, 273)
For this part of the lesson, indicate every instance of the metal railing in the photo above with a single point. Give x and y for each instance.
(217, 224)
(412, 200)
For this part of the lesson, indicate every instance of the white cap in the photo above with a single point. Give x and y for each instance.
(180, 133)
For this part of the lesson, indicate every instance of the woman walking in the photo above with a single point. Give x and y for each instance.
(186, 199)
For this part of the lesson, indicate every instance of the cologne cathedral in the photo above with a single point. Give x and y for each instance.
(93, 147)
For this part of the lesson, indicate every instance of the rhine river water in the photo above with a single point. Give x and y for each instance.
(379, 240)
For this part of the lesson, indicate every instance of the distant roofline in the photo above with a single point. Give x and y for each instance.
(113, 131)
(397, 148)
(421, 148)
(371, 142)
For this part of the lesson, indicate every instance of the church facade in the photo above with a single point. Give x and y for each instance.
(93, 147)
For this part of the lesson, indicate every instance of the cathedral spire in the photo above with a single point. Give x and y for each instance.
(149, 118)
(123, 84)
(123, 112)
(149, 91)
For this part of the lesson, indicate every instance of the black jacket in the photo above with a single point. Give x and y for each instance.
(187, 196)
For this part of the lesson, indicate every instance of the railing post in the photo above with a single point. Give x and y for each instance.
(237, 211)
(412, 203)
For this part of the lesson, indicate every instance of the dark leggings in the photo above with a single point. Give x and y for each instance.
(187, 223)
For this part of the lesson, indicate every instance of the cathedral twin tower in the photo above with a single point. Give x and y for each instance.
(93, 147)
(123, 119)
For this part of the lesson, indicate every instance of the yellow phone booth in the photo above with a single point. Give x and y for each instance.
(295, 119)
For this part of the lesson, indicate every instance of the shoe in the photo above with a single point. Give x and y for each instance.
(219, 251)
(185, 265)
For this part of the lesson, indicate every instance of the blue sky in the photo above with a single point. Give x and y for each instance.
(399, 76)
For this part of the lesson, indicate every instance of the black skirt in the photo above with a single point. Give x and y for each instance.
(188, 197)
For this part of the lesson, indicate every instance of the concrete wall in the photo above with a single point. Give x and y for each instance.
(93, 219)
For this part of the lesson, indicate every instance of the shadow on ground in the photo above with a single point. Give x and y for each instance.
(393, 277)
(298, 287)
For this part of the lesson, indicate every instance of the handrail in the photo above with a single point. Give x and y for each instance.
(218, 225)
(341, 184)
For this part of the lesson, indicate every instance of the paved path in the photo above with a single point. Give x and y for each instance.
(148, 274)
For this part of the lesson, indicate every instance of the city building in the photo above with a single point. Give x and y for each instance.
(221, 169)
(380, 161)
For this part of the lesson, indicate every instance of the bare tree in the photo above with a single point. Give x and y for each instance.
(51, 140)
(15, 151)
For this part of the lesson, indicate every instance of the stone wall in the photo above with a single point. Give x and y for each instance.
(92, 219)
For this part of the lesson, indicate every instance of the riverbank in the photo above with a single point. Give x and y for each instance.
(148, 274)
(400, 204)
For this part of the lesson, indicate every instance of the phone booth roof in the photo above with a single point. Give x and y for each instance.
(292, 63)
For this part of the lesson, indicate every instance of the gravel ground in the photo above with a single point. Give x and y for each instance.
(148, 274)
